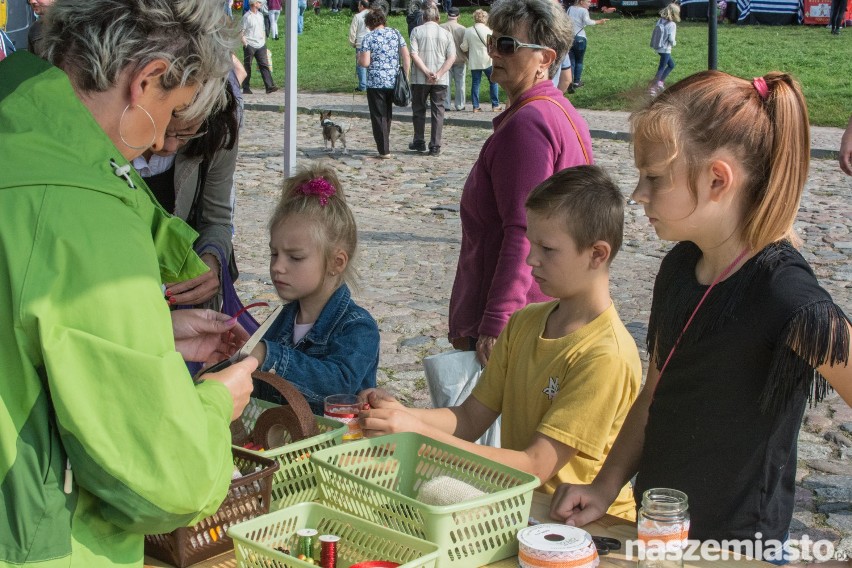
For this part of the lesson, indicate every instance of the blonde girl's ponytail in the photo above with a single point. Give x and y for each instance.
(773, 212)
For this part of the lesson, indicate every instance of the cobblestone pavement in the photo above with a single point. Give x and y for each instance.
(407, 214)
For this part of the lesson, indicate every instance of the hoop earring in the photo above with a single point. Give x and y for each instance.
(121, 121)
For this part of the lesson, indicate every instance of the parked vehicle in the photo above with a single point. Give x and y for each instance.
(16, 17)
(631, 6)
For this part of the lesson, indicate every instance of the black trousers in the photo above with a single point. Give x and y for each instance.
(380, 103)
(838, 7)
(261, 54)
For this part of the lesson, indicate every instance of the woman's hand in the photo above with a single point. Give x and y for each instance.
(198, 289)
(206, 336)
(237, 379)
(484, 346)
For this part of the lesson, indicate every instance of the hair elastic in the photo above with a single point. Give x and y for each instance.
(761, 87)
(319, 187)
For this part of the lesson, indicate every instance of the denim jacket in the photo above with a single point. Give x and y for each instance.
(340, 354)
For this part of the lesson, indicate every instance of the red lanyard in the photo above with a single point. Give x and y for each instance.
(718, 279)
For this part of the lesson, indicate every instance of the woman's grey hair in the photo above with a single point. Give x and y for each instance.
(430, 13)
(480, 16)
(210, 98)
(94, 41)
(545, 20)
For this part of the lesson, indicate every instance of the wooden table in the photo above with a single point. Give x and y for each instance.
(607, 526)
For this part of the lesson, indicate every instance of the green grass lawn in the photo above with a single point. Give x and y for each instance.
(619, 62)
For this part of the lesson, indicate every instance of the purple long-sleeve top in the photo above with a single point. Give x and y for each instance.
(492, 278)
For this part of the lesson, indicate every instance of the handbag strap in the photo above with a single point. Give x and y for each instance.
(515, 108)
(718, 279)
(194, 216)
(476, 31)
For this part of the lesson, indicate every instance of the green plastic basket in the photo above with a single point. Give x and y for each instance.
(295, 481)
(378, 479)
(256, 541)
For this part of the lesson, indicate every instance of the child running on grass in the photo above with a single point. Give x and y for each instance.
(662, 41)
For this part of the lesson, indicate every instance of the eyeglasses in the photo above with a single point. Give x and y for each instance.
(507, 45)
(186, 137)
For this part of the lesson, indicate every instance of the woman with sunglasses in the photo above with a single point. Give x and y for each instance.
(539, 134)
(192, 177)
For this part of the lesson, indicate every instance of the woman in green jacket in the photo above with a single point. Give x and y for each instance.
(103, 435)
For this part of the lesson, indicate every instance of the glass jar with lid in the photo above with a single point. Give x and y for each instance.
(663, 528)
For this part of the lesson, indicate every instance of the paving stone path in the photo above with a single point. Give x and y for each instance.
(409, 229)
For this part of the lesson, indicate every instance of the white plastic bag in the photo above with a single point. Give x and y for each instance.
(451, 377)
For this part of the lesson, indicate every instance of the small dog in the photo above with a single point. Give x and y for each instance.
(331, 132)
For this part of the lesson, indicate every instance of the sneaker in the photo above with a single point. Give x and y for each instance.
(247, 91)
(497, 108)
(418, 145)
(477, 109)
(460, 108)
(571, 90)
(385, 156)
(579, 84)
(271, 90)
(435, 151)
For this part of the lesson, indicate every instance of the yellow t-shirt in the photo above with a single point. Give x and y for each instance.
(576, 390)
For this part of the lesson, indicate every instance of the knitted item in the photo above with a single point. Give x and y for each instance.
(444, 490)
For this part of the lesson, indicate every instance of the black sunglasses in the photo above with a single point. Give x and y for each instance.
(507, 45)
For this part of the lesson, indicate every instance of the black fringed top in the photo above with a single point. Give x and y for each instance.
(726, 414)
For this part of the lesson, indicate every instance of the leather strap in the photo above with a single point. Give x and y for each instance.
(515, 108)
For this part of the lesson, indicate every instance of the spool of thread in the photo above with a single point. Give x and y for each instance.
(556, 546)
(306, 541)
(328, 550)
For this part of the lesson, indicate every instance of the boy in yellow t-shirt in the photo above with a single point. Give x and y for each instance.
(563, 374)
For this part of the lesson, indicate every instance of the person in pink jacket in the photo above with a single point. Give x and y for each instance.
(539, 134)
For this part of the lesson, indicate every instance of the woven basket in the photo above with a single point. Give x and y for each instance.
(295, 481)
(248, 497)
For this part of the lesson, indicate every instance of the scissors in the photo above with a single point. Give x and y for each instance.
(605, 544)
(245, 350)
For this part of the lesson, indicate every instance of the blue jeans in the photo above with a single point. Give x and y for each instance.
(577, 52)
(361, 73)
(303, 5)
(665, 67)
(475, 80)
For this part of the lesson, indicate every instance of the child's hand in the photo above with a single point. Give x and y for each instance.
(380, 421)
(380, 398)
(578, 505)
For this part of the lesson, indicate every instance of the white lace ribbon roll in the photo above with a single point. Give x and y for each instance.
(556, 546)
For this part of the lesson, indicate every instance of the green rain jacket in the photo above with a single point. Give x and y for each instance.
(89, 375)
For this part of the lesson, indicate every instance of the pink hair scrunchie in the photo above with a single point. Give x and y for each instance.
(319, 187)
(761, 87)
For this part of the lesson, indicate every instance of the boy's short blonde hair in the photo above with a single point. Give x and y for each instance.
(589, 202)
